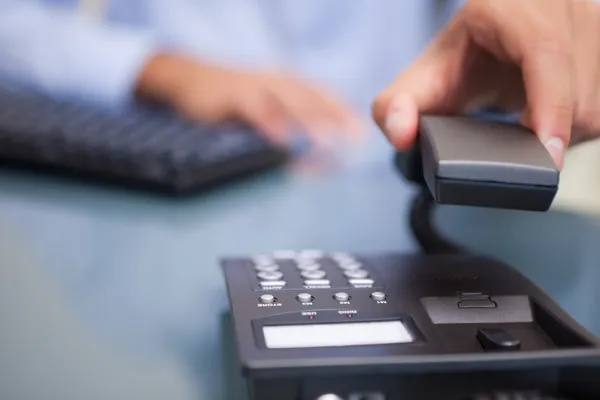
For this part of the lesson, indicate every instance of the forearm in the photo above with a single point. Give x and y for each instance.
(60, 52)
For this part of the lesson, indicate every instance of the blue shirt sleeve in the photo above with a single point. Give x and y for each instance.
(60, 52)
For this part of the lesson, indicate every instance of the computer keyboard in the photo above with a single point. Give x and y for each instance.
(144, 147)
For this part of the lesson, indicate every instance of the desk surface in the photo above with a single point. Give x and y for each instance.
(106, 293)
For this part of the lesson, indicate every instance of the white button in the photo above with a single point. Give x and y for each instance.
(343, 257)
(317, 282)
(350, 265)
(308, 266)
(267, 298)
(270, 275)
(266, 267)
(341, 296)
(378, 296)
(272, 283)
(330, 396)
(359, 282)
(318, 274)
(262, 259)
(356, 274)
(304, 297)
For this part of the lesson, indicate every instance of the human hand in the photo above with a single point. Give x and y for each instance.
(273, 103)
(540, 57)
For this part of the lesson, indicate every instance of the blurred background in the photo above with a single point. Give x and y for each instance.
(110, 286)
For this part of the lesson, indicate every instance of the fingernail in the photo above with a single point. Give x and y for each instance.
(556, 148)
(396, 123)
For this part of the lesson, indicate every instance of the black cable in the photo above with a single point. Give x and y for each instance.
(423, 226)
(410, 165)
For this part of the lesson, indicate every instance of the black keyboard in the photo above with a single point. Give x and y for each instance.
(145, 147)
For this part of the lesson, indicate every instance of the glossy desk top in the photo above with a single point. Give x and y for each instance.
(106, 293)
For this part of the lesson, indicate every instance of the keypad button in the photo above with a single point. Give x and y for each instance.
(308, 266)
(378, 296)
(318, 274)
(267, 267)
(270, 275)
(267, 299)
(356, 274)
(278, 284)
(330, 396)
(304, 297)
(350, 265)
(262, 259)
(343, 257)
(317, 282)
(341, 296)
(361, 282)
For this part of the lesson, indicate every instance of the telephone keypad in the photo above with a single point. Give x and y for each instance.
(311, 269)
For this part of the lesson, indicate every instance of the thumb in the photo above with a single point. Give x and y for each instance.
(426, 87)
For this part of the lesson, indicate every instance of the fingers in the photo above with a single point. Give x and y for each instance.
(398, 116)
(431, 85)
(278, 105)
(264, 115)
(273, 104)
(346, 117)
(587, 70)
(319, 114)
(543, 49)
(456, 70)
(536, 36)
(426, 87)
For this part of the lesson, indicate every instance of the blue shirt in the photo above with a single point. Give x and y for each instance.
(353, 47)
